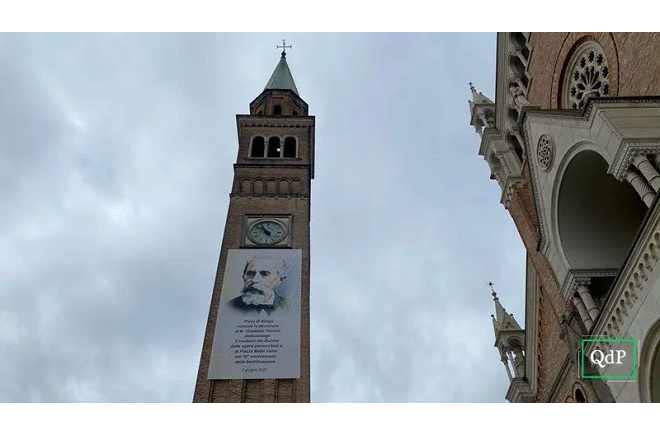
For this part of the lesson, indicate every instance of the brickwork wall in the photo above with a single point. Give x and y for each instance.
(632, 58)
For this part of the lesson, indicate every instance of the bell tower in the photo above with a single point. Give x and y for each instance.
(256, 344)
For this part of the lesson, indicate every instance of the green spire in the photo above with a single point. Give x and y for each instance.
(281, 79)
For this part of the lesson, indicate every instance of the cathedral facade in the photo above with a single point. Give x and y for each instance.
(572, 138)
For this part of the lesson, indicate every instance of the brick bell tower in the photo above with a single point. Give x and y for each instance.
(256, 345)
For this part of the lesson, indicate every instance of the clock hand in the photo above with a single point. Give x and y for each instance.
(263, 228)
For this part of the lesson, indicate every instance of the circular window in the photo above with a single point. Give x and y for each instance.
(544, 152)
(587, 76)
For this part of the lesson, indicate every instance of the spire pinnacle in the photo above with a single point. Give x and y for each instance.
(281, 79)
(502, 319)
(478, 97)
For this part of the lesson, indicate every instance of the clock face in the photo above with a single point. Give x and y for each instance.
(267, 232)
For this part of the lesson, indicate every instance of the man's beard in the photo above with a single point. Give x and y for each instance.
(252, 295)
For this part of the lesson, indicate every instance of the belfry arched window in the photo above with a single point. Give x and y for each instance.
(290, 147)
(258, 147)
(274, 149)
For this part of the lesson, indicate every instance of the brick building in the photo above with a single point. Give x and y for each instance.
(573, 140)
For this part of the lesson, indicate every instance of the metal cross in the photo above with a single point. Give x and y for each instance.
(284, 46)
(491, 284)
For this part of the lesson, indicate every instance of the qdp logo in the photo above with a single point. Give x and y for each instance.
(615, 363)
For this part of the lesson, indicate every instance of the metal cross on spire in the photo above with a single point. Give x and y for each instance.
(491, 284)
(284, 47)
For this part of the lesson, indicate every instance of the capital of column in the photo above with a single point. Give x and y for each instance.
(641, 161)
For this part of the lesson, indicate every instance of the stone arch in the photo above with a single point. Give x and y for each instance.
(271, 186)
(290, 147)
(274, 149)
(257, 146)
(246, 186)
(595, 217)
(284, 187)
(571, 43)
(296, 186)
(649, 365)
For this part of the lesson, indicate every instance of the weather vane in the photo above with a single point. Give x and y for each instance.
(491, 284)
(284, 47)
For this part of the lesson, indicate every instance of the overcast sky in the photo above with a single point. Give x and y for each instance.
(116, 155)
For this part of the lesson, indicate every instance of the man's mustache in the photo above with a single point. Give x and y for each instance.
(253, 289)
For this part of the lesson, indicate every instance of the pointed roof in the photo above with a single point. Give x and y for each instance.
(503, 320)
(281, 79)
(478, 97)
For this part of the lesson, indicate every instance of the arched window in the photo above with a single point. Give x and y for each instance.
(257, 149)
(290, 147)
(277, 109)
(274, 147)
(579, 396)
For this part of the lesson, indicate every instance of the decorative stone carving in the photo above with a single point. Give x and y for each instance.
(545, 152)
(587, 76)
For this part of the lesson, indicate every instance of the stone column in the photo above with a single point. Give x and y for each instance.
(589, 303)
(640, 185)
(648, 171)
(505, 361)
(582, 310)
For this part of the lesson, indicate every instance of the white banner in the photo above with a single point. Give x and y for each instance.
(257, 333)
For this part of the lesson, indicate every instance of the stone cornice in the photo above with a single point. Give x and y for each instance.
(627, 151)
(277, 121)
(488, 136)
(270, 196)
(527, 138)
(576, 277)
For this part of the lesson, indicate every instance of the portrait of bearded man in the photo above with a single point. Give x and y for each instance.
(261, 275)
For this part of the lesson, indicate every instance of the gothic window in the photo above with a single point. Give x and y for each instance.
(579, 396)
(274, 147)
(290, 147)
(258, 146)
(586, 76)
(277, 109)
